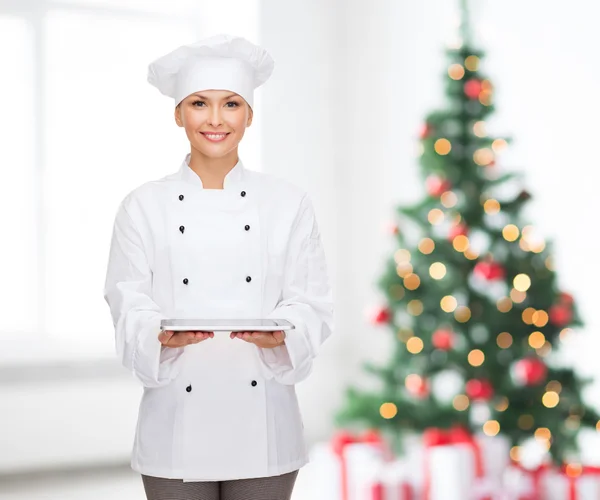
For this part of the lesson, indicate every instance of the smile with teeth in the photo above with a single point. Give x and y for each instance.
(215, 137)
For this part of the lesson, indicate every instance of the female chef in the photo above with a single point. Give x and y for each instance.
(219, 418)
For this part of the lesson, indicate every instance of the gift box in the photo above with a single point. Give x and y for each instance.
(348, 467)
(394, 482)
(460, 466)
(572, 483)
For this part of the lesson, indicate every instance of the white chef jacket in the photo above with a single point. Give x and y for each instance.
(224, 408)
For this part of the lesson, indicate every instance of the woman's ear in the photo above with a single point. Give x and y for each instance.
(178, 116)
(250, 116)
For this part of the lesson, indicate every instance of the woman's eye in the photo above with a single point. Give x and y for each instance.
(196, 103)
(235, 104)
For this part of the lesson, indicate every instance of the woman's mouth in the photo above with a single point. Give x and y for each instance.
(218, 137)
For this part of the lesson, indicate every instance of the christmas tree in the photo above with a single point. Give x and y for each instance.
(472, 298)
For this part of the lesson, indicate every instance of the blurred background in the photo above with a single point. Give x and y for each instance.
(80, 128)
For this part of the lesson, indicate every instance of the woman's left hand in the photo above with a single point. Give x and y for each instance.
(261, 339)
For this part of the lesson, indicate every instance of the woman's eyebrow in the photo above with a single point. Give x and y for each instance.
(208, 99)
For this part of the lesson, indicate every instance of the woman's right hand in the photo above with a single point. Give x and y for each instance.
(170, 338)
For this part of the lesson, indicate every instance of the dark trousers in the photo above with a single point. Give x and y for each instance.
(263, 488)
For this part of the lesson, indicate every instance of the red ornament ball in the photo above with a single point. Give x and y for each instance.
(436, 186)
(529, 371)
(417, 386)
(473, 88)
(560, 315)
(381, 316)
(479, 390)
(443, 339)
(426, 130)
(566, 299)
(489, 270)
(458, 230)
(392, 228)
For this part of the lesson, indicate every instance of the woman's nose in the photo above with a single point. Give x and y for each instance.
(214, 118)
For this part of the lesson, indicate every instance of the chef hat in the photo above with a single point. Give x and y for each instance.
(221, 62)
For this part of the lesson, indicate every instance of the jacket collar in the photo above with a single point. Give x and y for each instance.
(233, 178)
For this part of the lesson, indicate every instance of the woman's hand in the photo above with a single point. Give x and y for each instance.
(261, 339)
(169, 338)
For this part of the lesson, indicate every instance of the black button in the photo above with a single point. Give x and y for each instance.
(248, 279)
(247, 227)
(254, 382)
(243, 193)
(182, 229)
(185, 281)
(188, 388)
(180, 197)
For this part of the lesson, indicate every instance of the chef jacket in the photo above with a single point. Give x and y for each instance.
(221, 409)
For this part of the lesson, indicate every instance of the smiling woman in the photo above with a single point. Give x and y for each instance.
(217, 240)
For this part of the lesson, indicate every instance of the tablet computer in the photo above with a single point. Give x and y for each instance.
(226, 325)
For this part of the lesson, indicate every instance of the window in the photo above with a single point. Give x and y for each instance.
(84, 129)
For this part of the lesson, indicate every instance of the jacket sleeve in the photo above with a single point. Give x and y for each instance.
(136, 317)
(306, 302)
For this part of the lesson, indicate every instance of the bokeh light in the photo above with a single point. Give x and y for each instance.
(404, 269)
(415, 307)
(442, 146)
(525, 421)
(537, 340)
(499, 145)
(448, 303)
(517, 296)
(491, 206)
(460, 243)
(426, 246)
(414, 345)
(522, 282)
(437, 270)
(504, 304)
(388, 410)
(540, 318)
(472, 63)
(550, 399)
(460, 402)
(491, 428)
(462, 314)
(456, 71)
(501, 405)
(412, 281)
(402, 256)
(476, 357)
(483, 156)
(510, 232)
(435, 216)
(479, 129)
(527, 315)
(449, 199)
(504, 340)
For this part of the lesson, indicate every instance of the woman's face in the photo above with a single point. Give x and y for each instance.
(214, 121)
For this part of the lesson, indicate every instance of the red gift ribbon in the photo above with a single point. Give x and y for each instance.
(589, 470)
(339, 443)
(405, 490)
(441, 437)
(536, 479)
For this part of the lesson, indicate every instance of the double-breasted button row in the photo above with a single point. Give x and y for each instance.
(182, 230)
(254, 383)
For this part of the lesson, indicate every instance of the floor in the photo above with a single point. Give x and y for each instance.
(113, 483)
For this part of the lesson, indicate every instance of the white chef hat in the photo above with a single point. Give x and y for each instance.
(221, 62)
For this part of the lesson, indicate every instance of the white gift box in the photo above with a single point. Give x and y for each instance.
(466, 470)
(362, 461)
(395, 482)
(556, 486)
